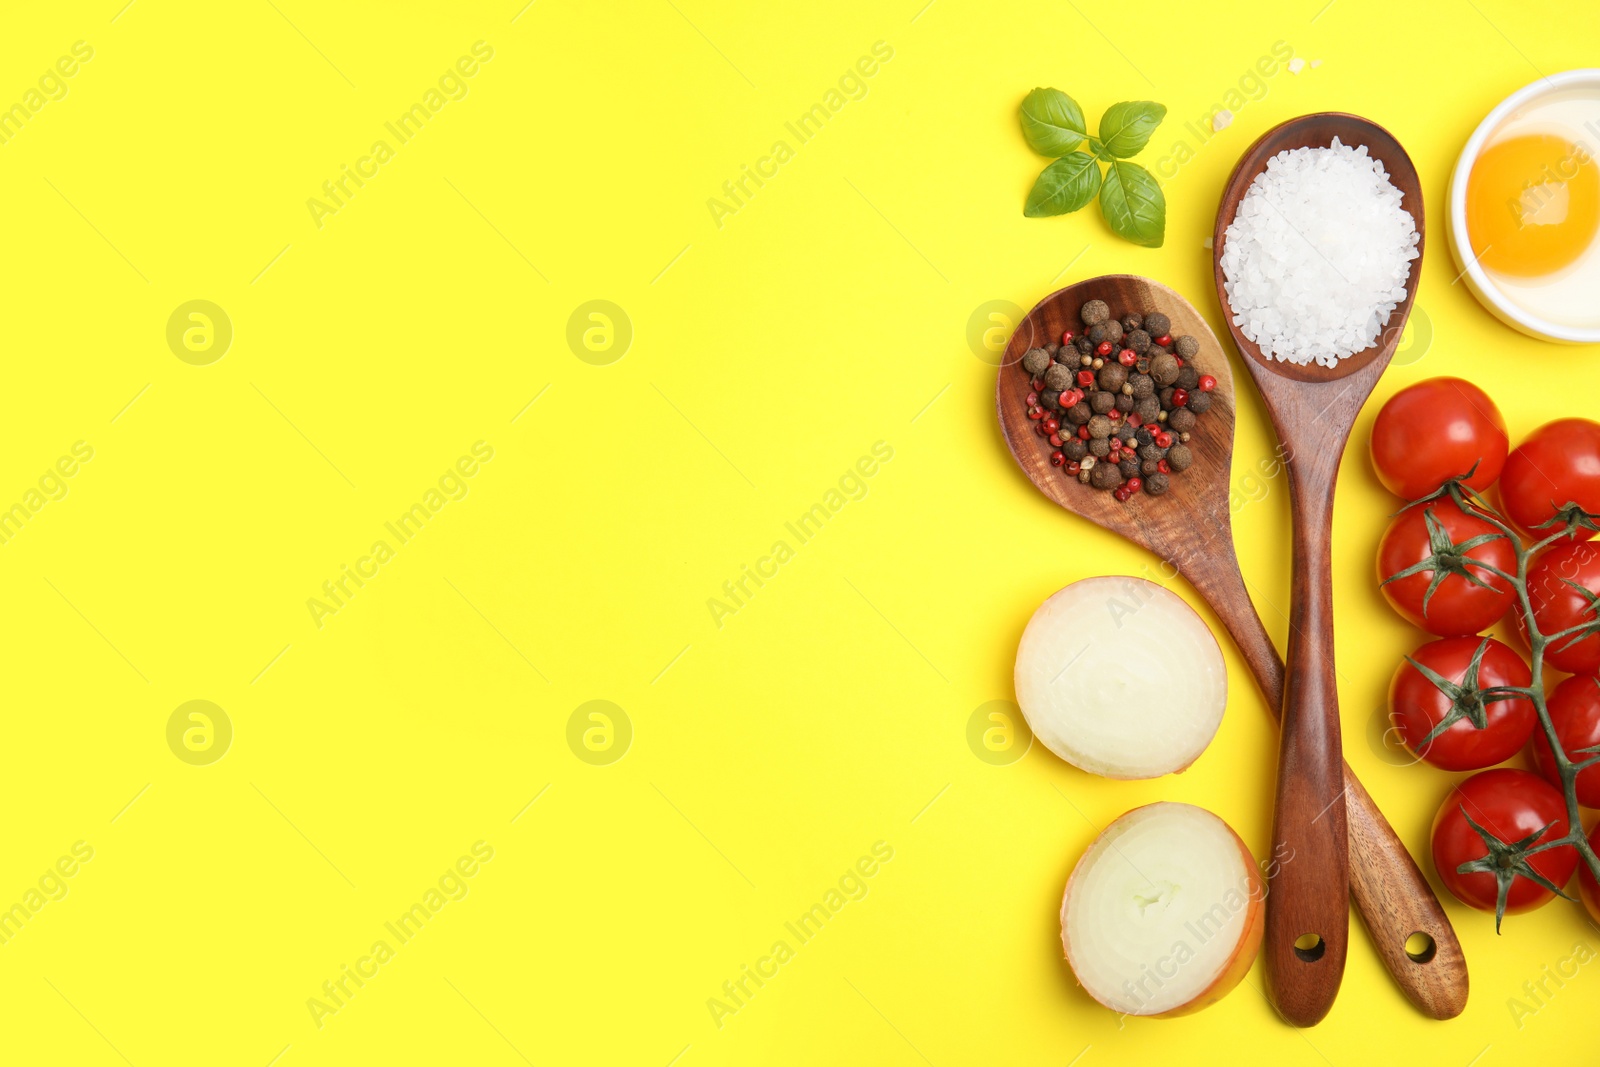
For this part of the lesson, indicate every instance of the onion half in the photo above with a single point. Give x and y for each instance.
(1120, 677)
(1163, 914)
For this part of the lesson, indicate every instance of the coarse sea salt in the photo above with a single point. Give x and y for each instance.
(1318, 254)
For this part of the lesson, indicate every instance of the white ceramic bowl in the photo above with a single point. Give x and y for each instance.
(1477, 279)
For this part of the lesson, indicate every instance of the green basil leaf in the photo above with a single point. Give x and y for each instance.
(1064, 186)
(1126, 128)
(1052, 122)
(1134, 205)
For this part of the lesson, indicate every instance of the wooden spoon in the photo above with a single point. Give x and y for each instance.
(1189, 529)
(1313, 409)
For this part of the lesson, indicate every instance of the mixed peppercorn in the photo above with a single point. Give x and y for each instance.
(1118, 400)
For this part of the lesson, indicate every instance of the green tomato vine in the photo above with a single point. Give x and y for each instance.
(1507, 860)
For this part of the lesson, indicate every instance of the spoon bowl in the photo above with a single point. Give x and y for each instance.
(1313, 409)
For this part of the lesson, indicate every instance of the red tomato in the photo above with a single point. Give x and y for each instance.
(1511, 805)
(1558, 606)
(1588, 889)
(1416, 705)
(1575, 712)
(1458, 606)
(1558, 464)
(1436, 430)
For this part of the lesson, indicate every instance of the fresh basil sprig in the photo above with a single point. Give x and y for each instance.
(1130, 198)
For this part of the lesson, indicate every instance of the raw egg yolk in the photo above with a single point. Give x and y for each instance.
(1533, 204)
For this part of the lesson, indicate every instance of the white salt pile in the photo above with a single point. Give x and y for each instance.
(1318, 254)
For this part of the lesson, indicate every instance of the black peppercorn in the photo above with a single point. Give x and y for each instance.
(1144, 436)
(1152, 451)
(1181, 420)
(1095, 311)
(1164, 369)
(1099, 447)
(1138, 340)
(1125, 433)
(1053, 347)
(1157, 324)
(1079, 413)
(1081, 342)
(1124, 403)
(1105, 476)
(1132, 321)
(1149, 466)
(1148, 408)
(1166, 398)
(1156, 484)
(1099, 427)
(1051, 399)
(1057, 378)
(1179, 457)
(1112, 377)
(1188, 378)
(1098, 333)
(1199, 403)
(1186, 346)
(1114, 331)
(1075, 449)
(1069, 358)
(1142, 365)
(1129, 467)
(1143, 386)
(1101, 403)
(1035, 360)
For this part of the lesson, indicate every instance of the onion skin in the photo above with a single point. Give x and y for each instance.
(1244, 953)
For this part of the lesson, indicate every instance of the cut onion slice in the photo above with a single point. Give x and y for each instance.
(1163, 914)
(1120, 677)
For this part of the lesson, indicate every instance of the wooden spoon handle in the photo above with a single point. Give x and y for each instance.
(1391, 893)
(1307, 927)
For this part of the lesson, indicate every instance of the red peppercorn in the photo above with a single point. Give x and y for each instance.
(1067, 336)
(1051, 424)
(1179, 361)
(1033, 400)
(1127, 357)
(1083, 433)
(1133, 485)
(1121, 493)
(1180, 397)
(1057, 459)
(1036, 413)
(1163, 439)
(1165, 340)
(1161, 465)
(1074, 467)
(1035, 384)
(1135, 420)
(1055, 440)
(1104, 349)
(1086, 378)
(1207, 383)
(1113, 414)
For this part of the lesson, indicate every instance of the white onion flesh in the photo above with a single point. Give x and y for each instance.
(1163, 914)
(1120, 677)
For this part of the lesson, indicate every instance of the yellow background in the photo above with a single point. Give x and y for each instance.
(768, 354)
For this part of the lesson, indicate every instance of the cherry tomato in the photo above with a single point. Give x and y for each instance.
(1457, 606)
(1558, 464)
(1588, 889)
(1511, 805)
(1417, 705)
(1558, 606)
(1436, 430)
(1575, 712)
